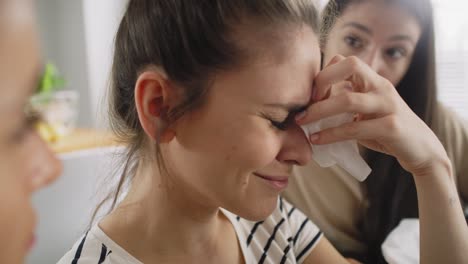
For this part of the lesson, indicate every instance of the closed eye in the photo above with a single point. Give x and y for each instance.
(280, 125)
(30, 120)
(283, 123)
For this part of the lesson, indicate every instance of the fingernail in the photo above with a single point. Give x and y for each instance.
(300, 115)
(314, 137)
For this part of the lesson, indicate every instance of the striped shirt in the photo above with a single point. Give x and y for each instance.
(286, 236)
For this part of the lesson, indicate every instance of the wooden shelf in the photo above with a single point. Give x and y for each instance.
(82, 139)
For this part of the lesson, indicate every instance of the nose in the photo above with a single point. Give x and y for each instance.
(296, 149)
(374, 60)
(46, 168)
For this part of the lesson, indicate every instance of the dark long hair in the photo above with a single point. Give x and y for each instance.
(391, 191)
(190, 41)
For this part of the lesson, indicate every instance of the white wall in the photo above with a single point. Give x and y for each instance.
(451, 25)
(61, 29)
(77, 35)
(101, 20)
(65, 207)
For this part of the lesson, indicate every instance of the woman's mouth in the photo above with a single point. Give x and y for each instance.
(31, 242)
(32, 237)
(277, 182)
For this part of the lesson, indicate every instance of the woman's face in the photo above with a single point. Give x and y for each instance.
(25, 162)
(237, 150)
(382, 35)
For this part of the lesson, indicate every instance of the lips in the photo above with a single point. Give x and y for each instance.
(31, 242)
(277, 182)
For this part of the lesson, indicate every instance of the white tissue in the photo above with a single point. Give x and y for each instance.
(402, 245)
(345, 154)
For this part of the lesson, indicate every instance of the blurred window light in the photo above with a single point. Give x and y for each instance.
(451, 27)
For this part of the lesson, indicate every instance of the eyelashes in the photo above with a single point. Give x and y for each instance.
(30, 120)
(358, 44)
(396, 53)
(354, 42)
(279, 124)
(285, 123)
(22, 132)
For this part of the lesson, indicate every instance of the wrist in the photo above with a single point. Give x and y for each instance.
(439, 166)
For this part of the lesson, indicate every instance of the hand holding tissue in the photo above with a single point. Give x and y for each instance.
(344, 154)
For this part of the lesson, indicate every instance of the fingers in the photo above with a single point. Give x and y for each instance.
(350, 69)
(348, 102)
(373, 95)
(366, 130)
(341, 87)
(335, 60)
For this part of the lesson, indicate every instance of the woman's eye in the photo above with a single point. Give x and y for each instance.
(396, 53)
(284, 123)
(21, 133)
(281, 125)
(26, 128)
(354, 42)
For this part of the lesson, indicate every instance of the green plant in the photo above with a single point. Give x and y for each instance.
(50, 80)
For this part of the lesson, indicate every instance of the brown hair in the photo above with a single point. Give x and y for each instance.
(191, 41)
(391, 191)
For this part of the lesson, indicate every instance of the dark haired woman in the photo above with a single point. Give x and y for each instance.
(396, 39)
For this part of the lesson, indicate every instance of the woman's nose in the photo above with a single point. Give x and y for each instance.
(296, 148)
(374, 60)
(46, 167)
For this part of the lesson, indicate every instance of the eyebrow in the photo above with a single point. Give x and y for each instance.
(359, 26)
(290, 108)
(402, 38)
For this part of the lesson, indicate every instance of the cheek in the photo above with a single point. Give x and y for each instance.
(247, 143)
(17, 217)
(396, 72)
(15, 168)
(254, 144)
(334, 46)
(250, 142)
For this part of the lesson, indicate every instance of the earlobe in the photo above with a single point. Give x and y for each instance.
(152, 94)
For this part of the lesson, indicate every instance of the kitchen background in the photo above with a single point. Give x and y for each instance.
(77, 36)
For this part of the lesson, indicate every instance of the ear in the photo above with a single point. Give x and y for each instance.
(152, 96)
